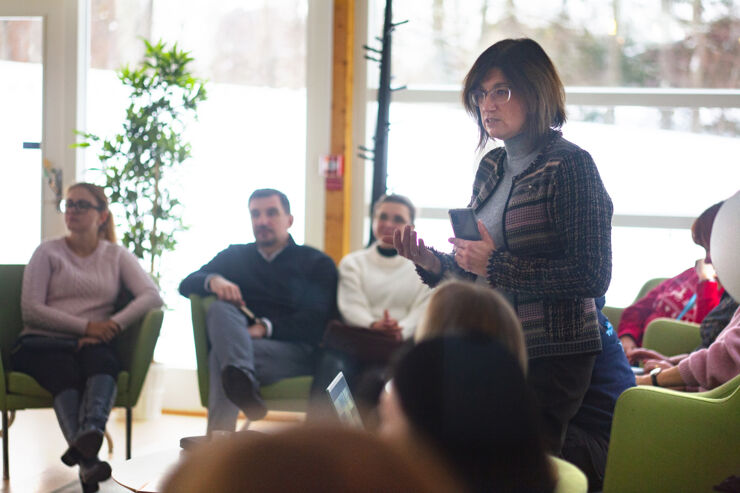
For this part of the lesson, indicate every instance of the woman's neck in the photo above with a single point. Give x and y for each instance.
(518, 146)
(82, 244)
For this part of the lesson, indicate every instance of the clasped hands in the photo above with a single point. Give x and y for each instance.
(388, 325)
(99, 332)
(470, 255)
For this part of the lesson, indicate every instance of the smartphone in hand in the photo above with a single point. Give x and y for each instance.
(464, 224)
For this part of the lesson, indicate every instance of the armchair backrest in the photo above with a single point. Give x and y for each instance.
(671, 337)
(666, 441)
(648, 286)
(11, 321)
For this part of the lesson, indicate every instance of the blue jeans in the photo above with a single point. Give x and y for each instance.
(265, 360)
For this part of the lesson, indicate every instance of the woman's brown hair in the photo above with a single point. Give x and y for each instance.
(107, 230)
(533, 78)
(701, 229)
(307, 459)
(460, 308)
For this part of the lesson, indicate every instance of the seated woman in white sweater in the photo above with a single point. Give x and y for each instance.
(378, 290)
(68, 301)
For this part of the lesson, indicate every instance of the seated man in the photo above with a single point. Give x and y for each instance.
(290, 289)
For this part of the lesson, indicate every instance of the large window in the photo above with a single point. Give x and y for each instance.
(652, 93)
(250, 133)
(21, 66)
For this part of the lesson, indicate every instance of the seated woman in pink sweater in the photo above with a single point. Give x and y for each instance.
(70, 288)
(689, 296)
(704, 369)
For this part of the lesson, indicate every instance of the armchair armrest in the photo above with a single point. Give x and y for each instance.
(199, 307)
(136, 350)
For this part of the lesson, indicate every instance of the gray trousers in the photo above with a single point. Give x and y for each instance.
(266, 360)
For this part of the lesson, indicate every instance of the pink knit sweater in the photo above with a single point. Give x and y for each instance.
(715, 365)
(62, 291)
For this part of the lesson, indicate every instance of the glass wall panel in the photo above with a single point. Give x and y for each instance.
(665, 163)
(635, 43)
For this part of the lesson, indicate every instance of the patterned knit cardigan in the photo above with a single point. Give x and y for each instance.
(557, 253)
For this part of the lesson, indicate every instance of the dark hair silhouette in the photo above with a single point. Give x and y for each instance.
(468, 398)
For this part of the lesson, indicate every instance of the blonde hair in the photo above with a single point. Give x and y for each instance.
(463, 308)
(107, 230)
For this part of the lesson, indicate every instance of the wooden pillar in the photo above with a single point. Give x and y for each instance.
(338, 203)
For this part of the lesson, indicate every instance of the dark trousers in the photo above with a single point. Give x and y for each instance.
(559, 384)
(588, 451)
(58, 369)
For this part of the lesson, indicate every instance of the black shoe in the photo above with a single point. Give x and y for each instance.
(244, 392)
(92, 473)
(88, 443)
(71, 457)
(188, 443)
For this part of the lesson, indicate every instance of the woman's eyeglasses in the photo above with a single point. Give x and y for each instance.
(499, 95)
(78, 206)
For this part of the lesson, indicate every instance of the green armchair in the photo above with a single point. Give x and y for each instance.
(671, 337)
(665, 441)
(289, 394)
(135, 347)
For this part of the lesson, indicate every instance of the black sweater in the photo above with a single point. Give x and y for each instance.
(296, 291)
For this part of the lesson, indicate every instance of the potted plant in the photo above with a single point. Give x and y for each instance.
(138, 162)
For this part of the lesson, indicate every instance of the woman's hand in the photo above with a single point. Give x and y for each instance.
(643, 380)
(705, 271)
(408, 245)
(105, 330)
(388, 325)
(473, 256)
(650, 364)
(87, 341)
(640, 354)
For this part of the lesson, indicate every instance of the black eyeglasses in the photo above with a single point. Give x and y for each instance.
(78, 205)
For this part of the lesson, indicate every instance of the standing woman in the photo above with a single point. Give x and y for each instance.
(545, 222)
(70, 287)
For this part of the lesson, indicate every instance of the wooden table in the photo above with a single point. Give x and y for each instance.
(146, 473)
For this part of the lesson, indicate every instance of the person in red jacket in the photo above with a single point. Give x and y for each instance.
(689, 296)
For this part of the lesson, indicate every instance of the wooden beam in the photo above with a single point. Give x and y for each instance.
(338, 203)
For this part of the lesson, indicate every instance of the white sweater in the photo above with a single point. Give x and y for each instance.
(370, 283)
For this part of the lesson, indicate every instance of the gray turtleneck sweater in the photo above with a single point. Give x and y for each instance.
(518, 158)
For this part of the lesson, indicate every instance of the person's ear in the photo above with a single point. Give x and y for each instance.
(290, 220)
(104, 217)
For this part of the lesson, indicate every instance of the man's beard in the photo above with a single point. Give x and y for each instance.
(270, 241)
